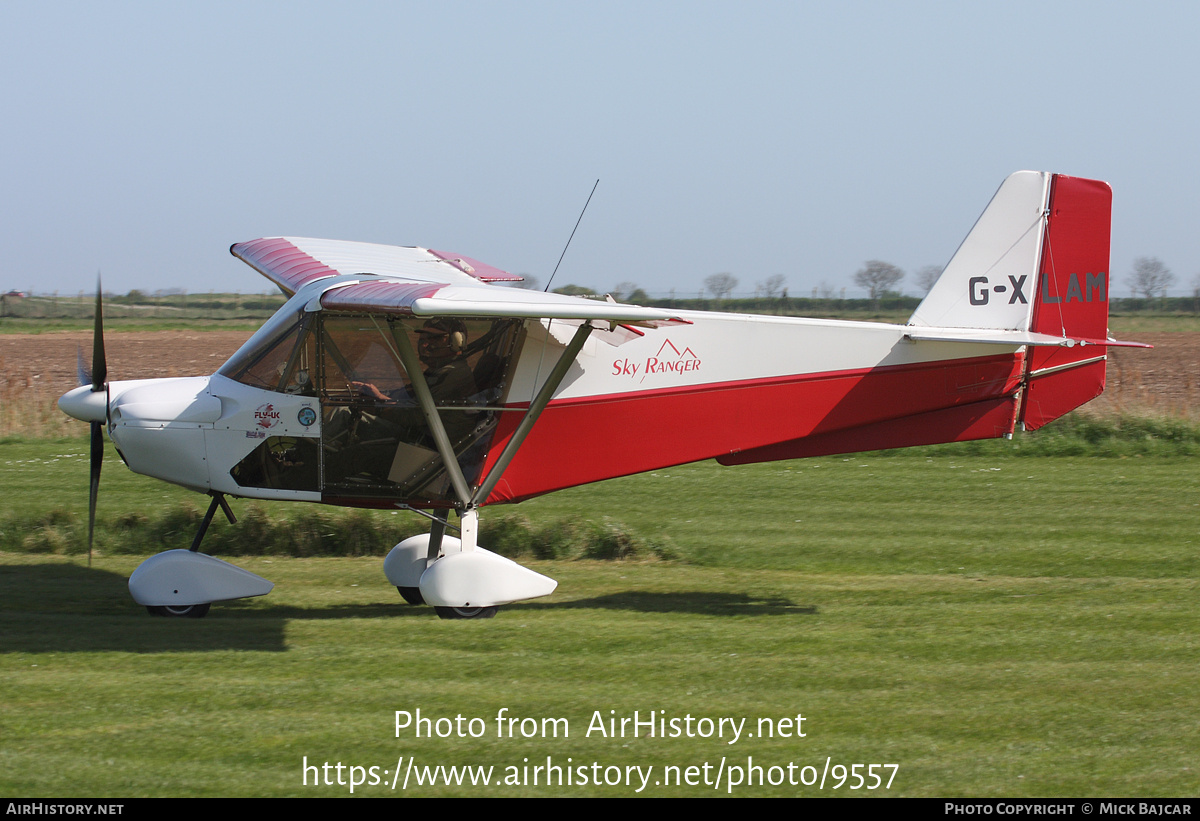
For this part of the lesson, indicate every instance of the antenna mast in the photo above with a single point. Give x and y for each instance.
(573, 230)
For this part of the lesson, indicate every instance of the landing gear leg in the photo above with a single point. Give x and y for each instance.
(217, 499)
(412, 595)
(198, 611)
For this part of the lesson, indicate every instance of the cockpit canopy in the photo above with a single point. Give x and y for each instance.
(375, 442)
(333, 356)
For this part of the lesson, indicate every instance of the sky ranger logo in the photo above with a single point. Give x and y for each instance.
(669, 359)
(266, 416)
(1094, 287)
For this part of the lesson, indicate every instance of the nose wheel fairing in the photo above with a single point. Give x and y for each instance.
(181, 579)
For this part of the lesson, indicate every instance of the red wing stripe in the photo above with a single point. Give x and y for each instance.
(282, 262)
(480, 270)
(379, 296)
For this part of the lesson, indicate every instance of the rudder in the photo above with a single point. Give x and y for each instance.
(1071, 301)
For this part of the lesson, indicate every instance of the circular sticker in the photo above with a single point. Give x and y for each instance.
(307, 416)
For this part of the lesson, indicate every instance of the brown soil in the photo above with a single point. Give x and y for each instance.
(49, 360)
(36, 369)
(1163, 380)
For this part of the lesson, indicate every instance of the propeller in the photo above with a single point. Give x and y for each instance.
(99, 383)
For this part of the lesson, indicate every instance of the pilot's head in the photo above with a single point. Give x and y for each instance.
(441, 340)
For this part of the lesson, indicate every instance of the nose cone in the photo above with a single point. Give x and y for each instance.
(85, 404)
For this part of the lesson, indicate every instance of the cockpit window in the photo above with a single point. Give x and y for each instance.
(375, 441)
(280, 357)
(359, 358)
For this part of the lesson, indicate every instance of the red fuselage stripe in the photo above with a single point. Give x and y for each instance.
(577, 441)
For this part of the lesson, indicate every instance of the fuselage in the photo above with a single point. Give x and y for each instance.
(288, 418)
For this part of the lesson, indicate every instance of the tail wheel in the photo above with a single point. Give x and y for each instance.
(190, 611)
(467, 612)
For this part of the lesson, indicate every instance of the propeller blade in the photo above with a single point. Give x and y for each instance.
(99, 364)
(99, 383)
(97, 458)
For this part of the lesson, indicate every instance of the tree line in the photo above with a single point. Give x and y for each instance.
(1148, 279)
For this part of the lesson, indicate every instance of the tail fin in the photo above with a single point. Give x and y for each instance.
(1036, 263)
(989, 282)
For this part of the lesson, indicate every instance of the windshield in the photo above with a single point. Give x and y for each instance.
(280, 355)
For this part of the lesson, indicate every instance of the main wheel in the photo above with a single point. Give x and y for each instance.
(189, 611)
(467, 612)
(412, 595)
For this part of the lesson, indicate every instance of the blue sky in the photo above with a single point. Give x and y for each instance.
(142, 139)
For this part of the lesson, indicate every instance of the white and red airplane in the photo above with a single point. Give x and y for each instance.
(403, 377)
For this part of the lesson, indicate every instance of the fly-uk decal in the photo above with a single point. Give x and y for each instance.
(266, 416)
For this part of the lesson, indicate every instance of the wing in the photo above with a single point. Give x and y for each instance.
(420, 282)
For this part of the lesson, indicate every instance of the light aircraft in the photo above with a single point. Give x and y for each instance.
(407, 378)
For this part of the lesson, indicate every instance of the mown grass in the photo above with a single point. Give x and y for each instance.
(313, 532)
(1009, 686)
(994, 624)
(139, 516)
(1082, 434)
(1128, 325)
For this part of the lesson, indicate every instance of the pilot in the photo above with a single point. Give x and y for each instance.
(441, 347)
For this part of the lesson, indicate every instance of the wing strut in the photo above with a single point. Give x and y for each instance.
(535, 410)
(421, 387)
(468, 502)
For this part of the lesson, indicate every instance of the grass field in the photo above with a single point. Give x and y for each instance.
(993, 624)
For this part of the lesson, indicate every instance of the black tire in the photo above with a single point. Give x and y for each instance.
(190, 611)
(412, 595)
(467, 612)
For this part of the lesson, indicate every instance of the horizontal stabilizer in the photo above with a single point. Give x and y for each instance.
(998, 337)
